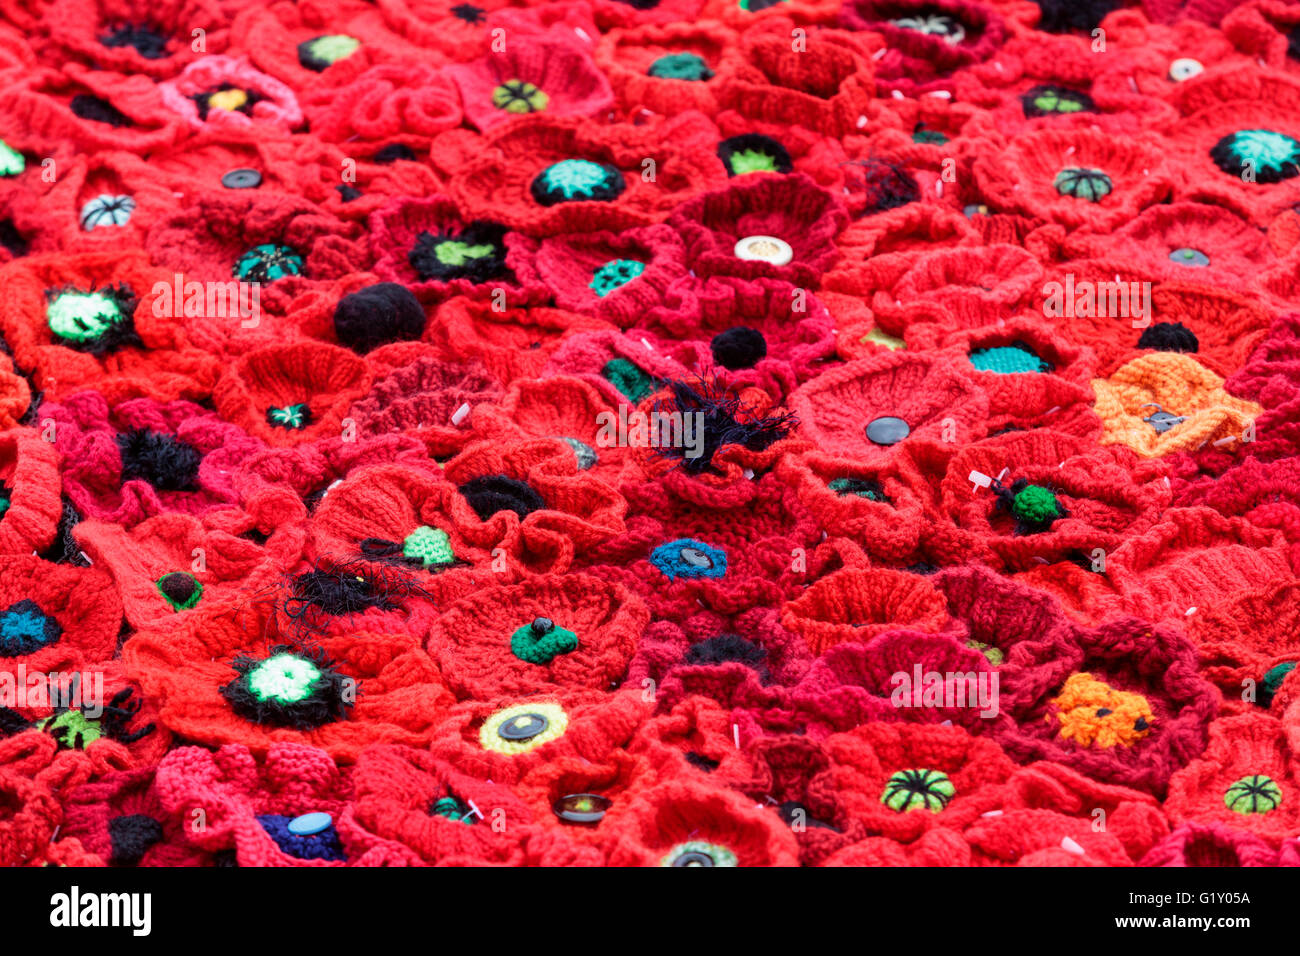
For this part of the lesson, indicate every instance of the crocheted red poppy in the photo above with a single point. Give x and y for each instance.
(55, 618)
(1194, 556)
(291, 394)
(615, 276)
(547, 176)
(427, 246)
(273, 246)
(510, 344)
(694, 739)
(1121, 702)
(143, 458)
(504, 738)
(130, 36)
(864, 408)
(89, 109)
(1247, 643)
(692, 823)
(223, 91)
(1185, 243)
(759, 333)
(173, 563)
(625, 367)
(106, 201)
(791, 209)
(1057, 497)
(319, 45)
(883, 505)
(1039, 82)
(1261, 29)
(232, 806)
(449, 28)
(588, 803)
(904, 779)
(875, 679)
(923, 297)
(388, 105)
(742, 661)
(427, 399)
(1238, 140)
(926, 41)
(536, 74)
(88, 321)
(532, 500)
(448, 818)
(821, 85)
(1210, 844)
(120, 819)
(1242, 780)
(1163, 53)
(393, 515)
(855, 605)
(216, 683)
(668, 68)
(556, 407)
(1076, 177)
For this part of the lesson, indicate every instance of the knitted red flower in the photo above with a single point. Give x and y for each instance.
(668, 67)
(427, 246)
(448, 818)
(131, 36)
(866, 407)
(225, 676)
(537, 74)
(55, 618)
(504, 738)
(731, 231)
(926, 41)
(121, 820)
(1076, 178)
(89, 321)
(223, 91)
(615, 276)
(546, 176)
(142, 458)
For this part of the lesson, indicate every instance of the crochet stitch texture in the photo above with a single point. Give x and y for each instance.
(695, 432)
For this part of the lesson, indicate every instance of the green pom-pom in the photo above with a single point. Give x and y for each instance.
(681, 66)
(542, 641)
(1083, 183)
(1035, 505)
(429, 546)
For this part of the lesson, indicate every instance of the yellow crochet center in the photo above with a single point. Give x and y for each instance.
(489, 735)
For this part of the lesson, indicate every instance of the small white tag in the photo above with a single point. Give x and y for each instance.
(1071, 847)
(459, 414)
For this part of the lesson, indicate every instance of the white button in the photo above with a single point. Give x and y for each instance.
(1184, 69)
(769, 249)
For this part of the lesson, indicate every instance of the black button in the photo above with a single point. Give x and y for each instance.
(523, 727)
(585, 808)
(887, 431)
(543, 625)
(242, 179)
(693, 858)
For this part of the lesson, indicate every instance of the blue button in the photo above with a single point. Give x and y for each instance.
(310, 824)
